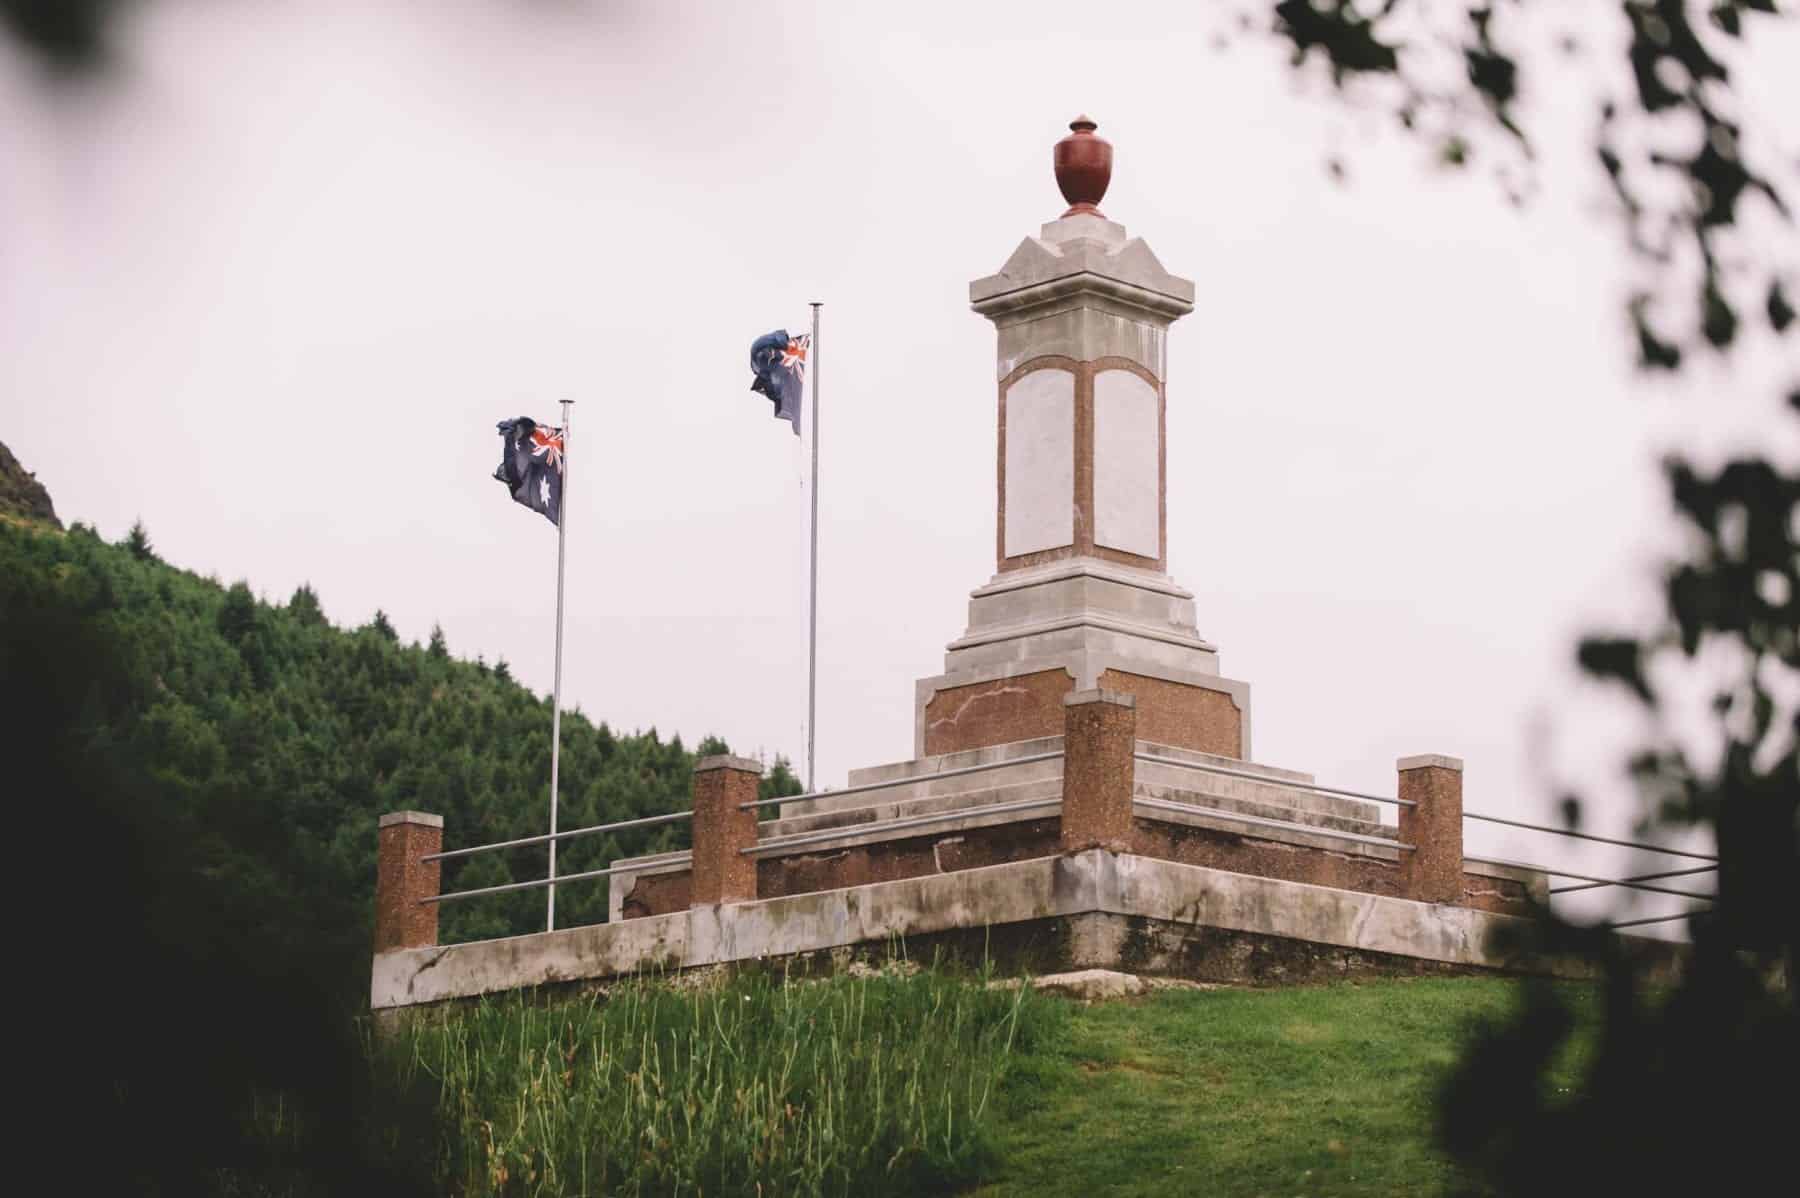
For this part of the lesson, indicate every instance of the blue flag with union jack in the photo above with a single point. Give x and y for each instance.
(531, 465)
(779, 363)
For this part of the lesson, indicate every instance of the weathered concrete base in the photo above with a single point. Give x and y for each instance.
(1089, 910)
(1079, 624)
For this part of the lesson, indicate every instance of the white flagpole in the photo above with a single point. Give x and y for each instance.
(812, 605)
(562, 540)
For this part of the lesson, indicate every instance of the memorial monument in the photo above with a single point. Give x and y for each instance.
(1081, 791)
(1081, 597)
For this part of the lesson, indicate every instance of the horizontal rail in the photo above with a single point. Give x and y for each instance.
(796, 840)
(1264, 822)
(868, 786)
(1629, 844)
(1264, 778)
(1668, 873)
(1632, 923)
(1550, 871)
(534, 884)
(547, 837)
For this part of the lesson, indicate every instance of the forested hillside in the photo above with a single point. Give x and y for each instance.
(264, 743)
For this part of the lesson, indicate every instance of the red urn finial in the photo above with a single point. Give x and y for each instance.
(1083, 166)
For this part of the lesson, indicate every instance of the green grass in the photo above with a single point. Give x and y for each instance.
(852, 1085)
(931, 1083)
(1313, 1090)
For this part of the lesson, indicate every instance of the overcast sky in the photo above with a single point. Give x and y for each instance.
(269, 288)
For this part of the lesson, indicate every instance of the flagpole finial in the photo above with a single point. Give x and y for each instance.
(1083, 163)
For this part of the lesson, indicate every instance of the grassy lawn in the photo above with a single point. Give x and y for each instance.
(921, 1082)
(866, 1086)
(1315, 1090)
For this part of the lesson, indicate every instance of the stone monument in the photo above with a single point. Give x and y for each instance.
(1081, 792)
(1081, 597)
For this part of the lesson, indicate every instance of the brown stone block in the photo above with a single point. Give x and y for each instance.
(402, 881)
(1187, 717)
(1433, 869)
(722, 871)
(1099, 738)
(996, 713)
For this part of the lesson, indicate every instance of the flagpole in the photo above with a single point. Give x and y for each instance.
(812, 605)
(562, 541)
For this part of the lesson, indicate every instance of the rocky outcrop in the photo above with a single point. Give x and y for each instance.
(21, 494)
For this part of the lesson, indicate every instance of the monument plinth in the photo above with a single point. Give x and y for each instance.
(1081, 598)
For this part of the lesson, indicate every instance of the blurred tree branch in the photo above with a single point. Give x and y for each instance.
(70, 36)
(1682, 1094)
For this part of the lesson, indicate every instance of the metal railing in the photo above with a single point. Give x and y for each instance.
(520, 843)
(1640, 882)
(1629, 844)
(1262, 821)
(1590, 879)
(774, 844)
(800, 839)
(533, 884)
(1333, 791)
(1670, 873)
(524, 841)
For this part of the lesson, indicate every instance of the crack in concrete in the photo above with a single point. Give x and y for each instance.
(969, 702)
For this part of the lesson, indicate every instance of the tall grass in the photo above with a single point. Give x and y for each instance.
(874, 1085)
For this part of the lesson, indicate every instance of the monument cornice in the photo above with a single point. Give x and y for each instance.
(1105, 623)
(1082, 567)
(1068, 291)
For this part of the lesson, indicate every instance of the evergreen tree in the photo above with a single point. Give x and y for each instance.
(439, 648)
(383, 627)
(779, 780)
(237, 615)
(304, 606)
(137, 542)
(279, 739)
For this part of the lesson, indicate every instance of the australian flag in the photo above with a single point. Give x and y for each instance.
(779, 362)
(531, 465)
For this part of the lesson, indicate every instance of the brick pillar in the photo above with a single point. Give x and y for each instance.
(402, 880)
(722, 872)
(1099, 737)
(1434, 870)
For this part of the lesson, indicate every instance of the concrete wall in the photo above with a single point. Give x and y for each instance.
(1086, 910)
(1206, 836)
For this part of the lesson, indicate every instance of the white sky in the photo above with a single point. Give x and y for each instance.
(271, 286)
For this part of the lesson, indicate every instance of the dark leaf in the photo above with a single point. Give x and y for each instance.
(1781, 312)
(1719, 322)
(1340, 31)
(1616, 659)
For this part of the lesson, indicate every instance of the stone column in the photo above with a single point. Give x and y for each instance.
(1081, 598)
(402, 882)
(1099, 737)
(1434, 870)
(722, 872)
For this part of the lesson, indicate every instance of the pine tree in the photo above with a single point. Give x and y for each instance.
(304, 606)
(237, 617)
(439, 649)
(384, 628)
(137, 541)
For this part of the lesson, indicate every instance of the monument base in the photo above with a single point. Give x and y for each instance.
(1081, 623)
